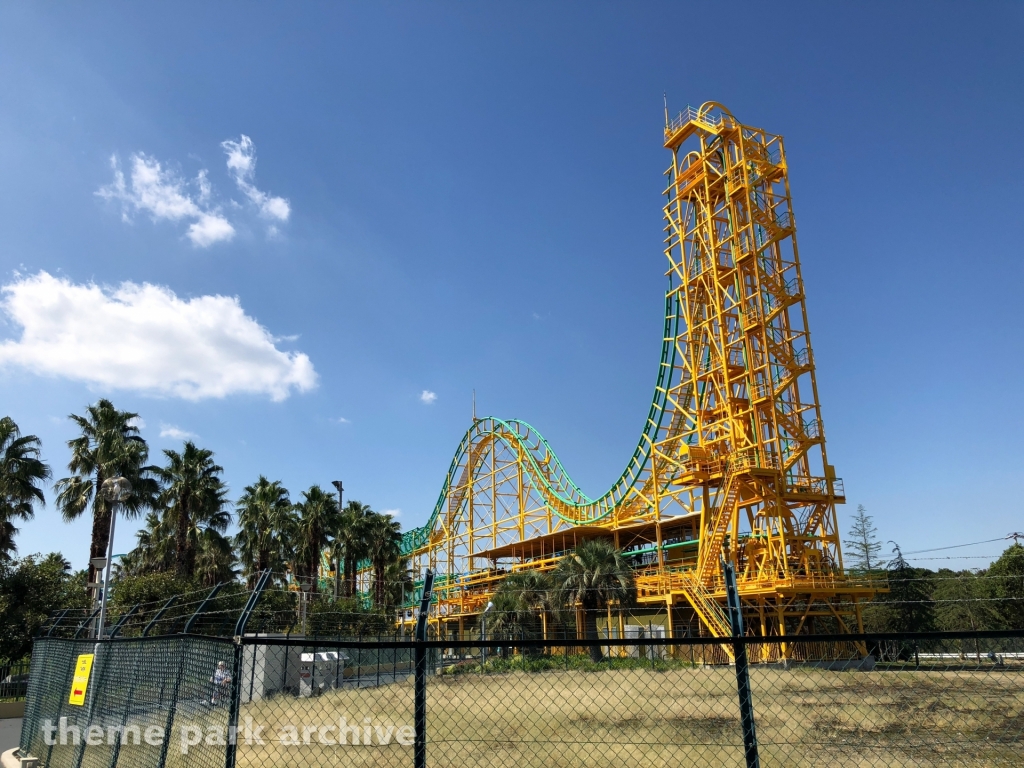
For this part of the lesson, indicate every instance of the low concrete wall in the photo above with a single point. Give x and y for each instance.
(10, 709)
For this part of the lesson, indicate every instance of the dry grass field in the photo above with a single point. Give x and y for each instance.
(678, 717)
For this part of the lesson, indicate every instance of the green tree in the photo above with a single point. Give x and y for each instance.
(909, 605)
(150, 591)
(212, 555)
(963, 603)
(266, 523)
(215, 558)
(349, 543)
(22, 474)
(318, 516)
(1007, 578)
(109, 446)
(153, 551)
(193, 496)
(592, 577)
(30, 589)
(382, 539)
(347, 617)
(862, 545)
(398, 584)
(520, 602)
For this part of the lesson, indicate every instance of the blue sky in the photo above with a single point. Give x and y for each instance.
(441, 197)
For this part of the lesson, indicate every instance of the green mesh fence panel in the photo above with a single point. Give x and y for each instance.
(148, 703)
(892, 701)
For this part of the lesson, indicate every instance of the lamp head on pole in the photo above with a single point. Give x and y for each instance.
(116, 489)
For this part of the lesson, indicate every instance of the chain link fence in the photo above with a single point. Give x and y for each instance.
(953, 699)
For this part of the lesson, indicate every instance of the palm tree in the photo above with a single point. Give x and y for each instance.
(154, 548)
(519, 605)
(398, 583)
(215, 558)
(318, 516)
(21, 473)
(214, 554)
(349, 543)
(383, 538)
(193, 496)
(109, 446)
(592, 577)
(265, 525)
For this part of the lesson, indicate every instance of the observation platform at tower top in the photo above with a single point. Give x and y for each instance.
(679, 128)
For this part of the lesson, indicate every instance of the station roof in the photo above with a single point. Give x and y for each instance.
(567, 539)
(548, 544)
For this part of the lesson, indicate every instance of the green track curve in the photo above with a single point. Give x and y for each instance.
(563, 496)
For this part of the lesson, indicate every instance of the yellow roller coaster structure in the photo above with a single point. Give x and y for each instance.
(731, 462)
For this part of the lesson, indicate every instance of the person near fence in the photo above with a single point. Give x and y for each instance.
(221, 680)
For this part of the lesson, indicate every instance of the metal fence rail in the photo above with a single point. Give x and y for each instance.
(14, 681)
(892, 700)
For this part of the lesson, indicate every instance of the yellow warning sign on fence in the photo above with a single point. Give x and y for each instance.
(81, 681)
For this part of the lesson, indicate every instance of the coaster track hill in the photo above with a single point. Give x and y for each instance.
(731, 462)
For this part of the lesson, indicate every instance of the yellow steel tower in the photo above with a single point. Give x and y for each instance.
(731, 461)
(750, 442)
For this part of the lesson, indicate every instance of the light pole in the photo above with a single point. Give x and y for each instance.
(337, 559)
(114, 490)
(305, 587)
(483, 635)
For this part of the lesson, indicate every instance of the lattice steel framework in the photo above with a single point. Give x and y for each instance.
(731, 461)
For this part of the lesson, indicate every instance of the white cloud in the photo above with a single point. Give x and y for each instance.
(145, 338)
(428, 397)
(393, 512)
(341, 420)
(169, 430)
(209, 230)
(138, 422)
(242, 166)
(163, 195)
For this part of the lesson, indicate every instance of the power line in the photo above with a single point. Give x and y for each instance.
(957, 546)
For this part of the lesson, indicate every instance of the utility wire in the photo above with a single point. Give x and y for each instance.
(957, 546)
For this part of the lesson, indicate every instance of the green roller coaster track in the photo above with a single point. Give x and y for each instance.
(562, 496)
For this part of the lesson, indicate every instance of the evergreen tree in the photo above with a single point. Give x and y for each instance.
(863, 546)
(908, 606)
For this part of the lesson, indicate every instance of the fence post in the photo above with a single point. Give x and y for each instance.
(120, 622)
(236, 668)
(420, 687)
(58, 620)
(159, 615)
(742, 673)
(85, 623)
(199, 611)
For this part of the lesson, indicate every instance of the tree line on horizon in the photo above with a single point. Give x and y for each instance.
(187, 513)
(926, 600)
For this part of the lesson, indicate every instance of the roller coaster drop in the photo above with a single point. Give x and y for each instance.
(731, 461)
